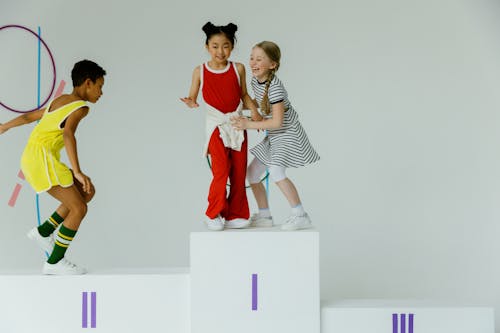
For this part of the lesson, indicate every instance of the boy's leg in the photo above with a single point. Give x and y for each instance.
(51, 224)
(77, 208)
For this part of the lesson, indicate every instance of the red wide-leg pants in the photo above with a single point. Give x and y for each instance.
(227, 164)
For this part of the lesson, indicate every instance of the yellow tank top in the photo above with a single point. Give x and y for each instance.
(48, 132)
(40, 162)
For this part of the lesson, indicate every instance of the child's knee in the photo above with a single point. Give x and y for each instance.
(79, 208)
(277, 173)
(252, 176)
(255, 171)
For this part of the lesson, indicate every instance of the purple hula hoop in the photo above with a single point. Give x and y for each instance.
(51, 59)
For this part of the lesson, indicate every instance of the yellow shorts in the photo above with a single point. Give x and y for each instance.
(43, 169)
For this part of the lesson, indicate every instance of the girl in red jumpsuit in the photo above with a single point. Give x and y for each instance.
(223, 87)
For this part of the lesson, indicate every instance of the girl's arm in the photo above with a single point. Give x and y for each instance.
(70, 144)
(248, 102)
(278, 112)
(193, 92)
(23, 119)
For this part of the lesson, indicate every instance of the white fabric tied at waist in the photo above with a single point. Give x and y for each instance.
(231, 137)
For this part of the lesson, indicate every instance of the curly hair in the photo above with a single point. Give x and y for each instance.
(86, 69)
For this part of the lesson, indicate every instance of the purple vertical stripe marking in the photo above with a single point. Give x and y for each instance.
(93, 317)
(254, 292)
(394, 323)
(84, 309)
(410, 323)
(403, 323)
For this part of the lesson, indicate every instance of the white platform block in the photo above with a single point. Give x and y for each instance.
(389, 316)
(119, 301)
(255, 280)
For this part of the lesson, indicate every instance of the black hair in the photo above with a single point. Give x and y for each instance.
(228, 30)
(86, 69)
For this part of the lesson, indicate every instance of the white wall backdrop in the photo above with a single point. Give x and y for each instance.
(400, 98)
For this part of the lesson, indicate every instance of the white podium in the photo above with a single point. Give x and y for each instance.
(391, 316)
(122, 301)
(255, 280)
(242, 281)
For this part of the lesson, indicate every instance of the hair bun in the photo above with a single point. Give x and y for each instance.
(231, 28)
(208, 27)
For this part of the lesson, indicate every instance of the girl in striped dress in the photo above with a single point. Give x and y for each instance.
(45, 172)
(286, 144)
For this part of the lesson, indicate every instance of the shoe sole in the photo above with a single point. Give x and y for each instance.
(215, 228)
(237, 227)
(262, 225)
(61, 274)
(298, 228)
(50, 271)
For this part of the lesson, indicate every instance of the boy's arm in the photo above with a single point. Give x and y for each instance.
(23, 119)
(248, 102)
(70, 143)
(193, 91)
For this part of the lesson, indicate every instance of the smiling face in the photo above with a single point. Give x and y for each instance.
(260, 64)
(219, 47)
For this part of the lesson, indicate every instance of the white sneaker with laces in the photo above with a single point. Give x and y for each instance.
(258, 221)
(63, 267)
(215, 224)
(46, 243)
(237, 224)
(296, 222)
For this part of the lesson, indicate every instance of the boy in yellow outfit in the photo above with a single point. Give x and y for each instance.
(45, 172)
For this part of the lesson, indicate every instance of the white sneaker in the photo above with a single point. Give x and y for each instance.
(46, 243)
(296, 222)
(258, 221)
(215, 224)
(63, 267)
(237, 224)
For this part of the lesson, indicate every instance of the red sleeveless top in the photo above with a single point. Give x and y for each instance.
(221, 88)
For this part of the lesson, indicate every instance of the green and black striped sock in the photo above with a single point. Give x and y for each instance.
(48, 227)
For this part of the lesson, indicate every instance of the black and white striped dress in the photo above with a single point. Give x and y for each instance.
(287, 146)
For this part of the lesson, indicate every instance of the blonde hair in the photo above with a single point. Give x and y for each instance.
(273, 51)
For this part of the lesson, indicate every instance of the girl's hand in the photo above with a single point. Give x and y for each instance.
(189, 102)
(257, 117)
(85, 181)
(240, 123)
(2, 129)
